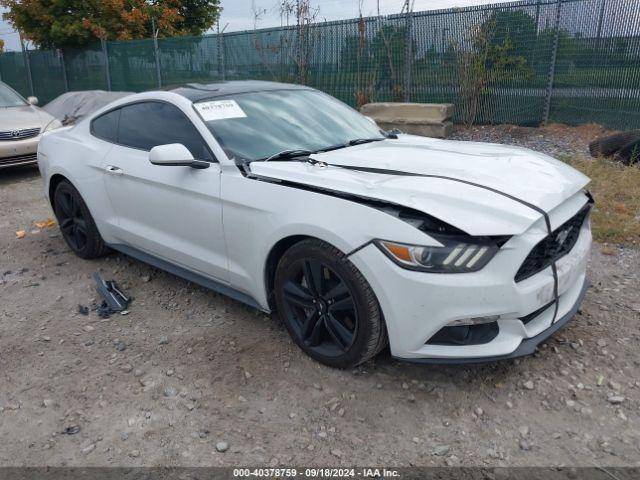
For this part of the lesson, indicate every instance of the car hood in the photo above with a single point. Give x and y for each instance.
(531, 177)
(27, 116)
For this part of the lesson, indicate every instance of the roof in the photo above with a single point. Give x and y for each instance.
(197, 92)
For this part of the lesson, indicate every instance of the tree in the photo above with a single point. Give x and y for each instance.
(488, 60)
(514, 26)
(1, 45)
(73, 23)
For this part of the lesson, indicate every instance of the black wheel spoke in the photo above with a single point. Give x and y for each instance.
(81, 226)
(338, 292)
(338, 332)
(311, 329)
(313, 273)
(66, 225)
(71, 237)
(65, 205)
(81, 237)
(297, 295)
(75, 206)
(341, 305)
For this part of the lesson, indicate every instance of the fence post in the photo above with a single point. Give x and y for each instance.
(64, 70)
(221, 72)
(552, 66)
(408, 53)
(27, 64)
(103, 42)
(600, 19)
(156, 52)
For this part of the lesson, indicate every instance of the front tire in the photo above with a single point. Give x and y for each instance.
(327, 305)
(76, 223)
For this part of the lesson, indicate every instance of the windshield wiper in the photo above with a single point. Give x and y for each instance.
(360, 141)
(350, 143)
(289, 154)
(300, 152)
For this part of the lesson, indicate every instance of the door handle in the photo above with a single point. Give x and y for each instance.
(114, 170)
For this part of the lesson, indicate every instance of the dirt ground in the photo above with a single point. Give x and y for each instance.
(187, 373)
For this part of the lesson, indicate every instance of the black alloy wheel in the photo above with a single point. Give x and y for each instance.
(327, 306)
(76, 223)
(321, 308)
(72, 222)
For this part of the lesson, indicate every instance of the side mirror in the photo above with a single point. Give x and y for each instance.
(32, 100)
(175, 155)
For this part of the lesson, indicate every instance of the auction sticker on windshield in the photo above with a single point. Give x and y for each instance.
(219, 110)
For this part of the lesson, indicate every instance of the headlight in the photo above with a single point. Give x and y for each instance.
(52, 125)
(456, 255)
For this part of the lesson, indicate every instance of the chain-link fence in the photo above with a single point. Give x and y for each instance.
(526, 62)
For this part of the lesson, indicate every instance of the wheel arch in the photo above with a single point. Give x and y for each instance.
(54, 181)
(271, 263)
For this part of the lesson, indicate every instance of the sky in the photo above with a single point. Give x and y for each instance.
(238, 14)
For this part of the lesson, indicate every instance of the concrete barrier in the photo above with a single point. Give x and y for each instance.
(426, 119)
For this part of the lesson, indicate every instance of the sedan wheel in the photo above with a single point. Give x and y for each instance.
(327, 306)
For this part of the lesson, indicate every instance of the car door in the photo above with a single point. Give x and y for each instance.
(171, 212)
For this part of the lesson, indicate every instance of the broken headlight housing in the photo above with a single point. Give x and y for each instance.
(456, 255)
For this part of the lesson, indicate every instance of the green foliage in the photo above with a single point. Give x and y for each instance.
(491, 60)
(379, 62)
(73, 23)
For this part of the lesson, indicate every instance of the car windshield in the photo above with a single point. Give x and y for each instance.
(9, 98)
(259, 125)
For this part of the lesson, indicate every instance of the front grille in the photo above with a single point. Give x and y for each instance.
(19, 134)
(18, 159)
(554, 246)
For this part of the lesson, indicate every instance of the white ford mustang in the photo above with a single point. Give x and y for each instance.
(288, 200)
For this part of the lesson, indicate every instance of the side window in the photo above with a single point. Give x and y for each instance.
(149, 124)
(105, 126)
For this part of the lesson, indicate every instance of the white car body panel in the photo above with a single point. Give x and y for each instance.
(222, 224)
(538, 179)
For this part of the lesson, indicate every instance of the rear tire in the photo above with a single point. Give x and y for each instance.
(76, 223)
(327, 305)
(629, 154)
(607, 146)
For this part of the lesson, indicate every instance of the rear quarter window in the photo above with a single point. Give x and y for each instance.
(105, 126)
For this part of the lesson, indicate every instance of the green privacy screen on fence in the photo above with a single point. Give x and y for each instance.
(527, 62)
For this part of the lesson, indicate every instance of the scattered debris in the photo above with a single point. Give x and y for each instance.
(20, 233)
(48, 223)
(71, 430)
(83, 310)
(170, 392)
(222, 446)
(113, 299)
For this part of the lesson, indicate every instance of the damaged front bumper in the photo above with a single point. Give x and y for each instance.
(526, 347)
(417, 306)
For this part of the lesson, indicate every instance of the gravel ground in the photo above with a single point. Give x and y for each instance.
(555, 140)
(191, 378)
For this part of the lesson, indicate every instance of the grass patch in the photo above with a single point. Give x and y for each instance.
(616, 188)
